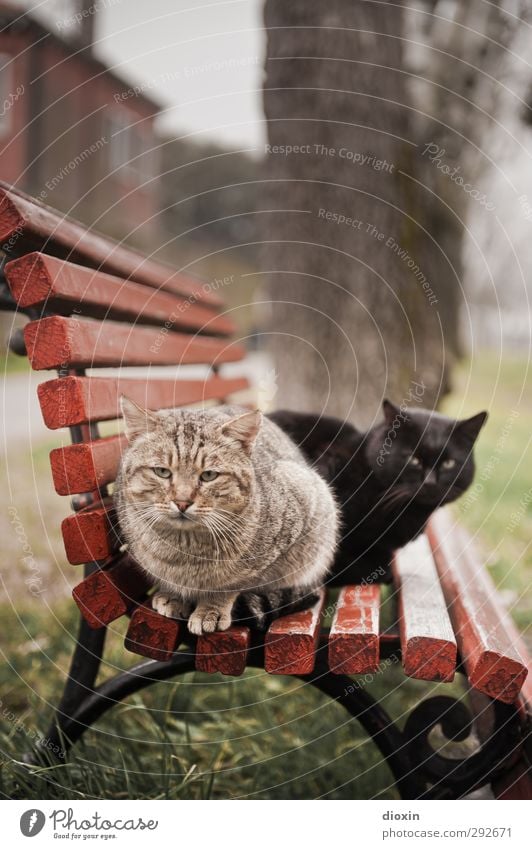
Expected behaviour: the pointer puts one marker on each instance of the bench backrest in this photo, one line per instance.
(96, 304)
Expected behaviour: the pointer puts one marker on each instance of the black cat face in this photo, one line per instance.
(423, 455)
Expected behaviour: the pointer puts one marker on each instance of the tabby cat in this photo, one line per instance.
(388, 480)
(219, 505)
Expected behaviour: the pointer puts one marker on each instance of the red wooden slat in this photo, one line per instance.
(354, 634)
(487, 639)
(79, 400)
(107, 594)
(223, 651)
(428, 646)
(152, 635)
(290, 642)
(86, 466)
(58, 342)
(91, 533)
(37, 279)
(27, 225)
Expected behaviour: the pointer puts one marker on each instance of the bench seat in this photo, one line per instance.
(433, 642)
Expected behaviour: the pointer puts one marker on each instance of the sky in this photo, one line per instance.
(202, 58)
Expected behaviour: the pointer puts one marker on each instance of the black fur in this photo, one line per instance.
(258, 610)
(386, 497)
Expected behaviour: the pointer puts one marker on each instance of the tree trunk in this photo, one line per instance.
(354, 315)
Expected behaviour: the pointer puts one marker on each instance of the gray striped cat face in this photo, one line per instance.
(184, 468)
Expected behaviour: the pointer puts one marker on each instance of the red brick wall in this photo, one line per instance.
(72, 142)
(12, 142)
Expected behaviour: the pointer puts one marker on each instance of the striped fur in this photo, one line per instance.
(252, 542)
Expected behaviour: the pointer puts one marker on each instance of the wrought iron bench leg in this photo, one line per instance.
(420, 770)
(98, 701)
(356, 700)
(377, 723)
(79, 685)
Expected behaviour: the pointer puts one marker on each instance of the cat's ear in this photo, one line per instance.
(137, 420)
(244, 428)
(470, 428)
(390, 411)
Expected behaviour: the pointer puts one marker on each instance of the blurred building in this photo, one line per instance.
(72, 132)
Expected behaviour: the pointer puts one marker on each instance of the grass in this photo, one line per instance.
(13, 364)
(498, 508)
(257, 736)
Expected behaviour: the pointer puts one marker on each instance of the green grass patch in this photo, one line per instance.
(13, 364)
(498, 507)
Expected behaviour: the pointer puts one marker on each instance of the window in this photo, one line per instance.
(117, 132)
(130, 141)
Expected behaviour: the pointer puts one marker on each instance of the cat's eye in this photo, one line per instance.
(162, 472)
(414, 461)
(208, 475)
(448, 464)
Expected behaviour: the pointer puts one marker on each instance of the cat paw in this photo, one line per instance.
(167, 605)
(206, 620)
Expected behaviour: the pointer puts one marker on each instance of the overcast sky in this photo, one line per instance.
(202, 58)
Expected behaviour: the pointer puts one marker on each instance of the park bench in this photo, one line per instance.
(93, 304)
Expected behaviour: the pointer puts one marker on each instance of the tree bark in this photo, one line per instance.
(347, 257)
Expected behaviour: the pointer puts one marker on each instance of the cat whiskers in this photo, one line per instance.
(227, 539)
(223, 545)
(236, 518)
(394, 497)
(232, 523)
(148, 517)
(237, 529)
(215, 538)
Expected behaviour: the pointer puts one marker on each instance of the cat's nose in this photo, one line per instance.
(182, 506)
(431, 478)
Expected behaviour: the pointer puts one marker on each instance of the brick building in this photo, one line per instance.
(73, 132)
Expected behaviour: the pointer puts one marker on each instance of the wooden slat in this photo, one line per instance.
(58, 342)
(152, 635)
(428, 646)
(290, 642)
(109, 593)
(354, 635)
(36, 280)
(80, 400)
(223, 651)
(27, 225)
(488, 640)
(91, 533)
(86, 466)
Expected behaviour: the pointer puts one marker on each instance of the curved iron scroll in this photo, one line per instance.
(458, 776)
(420, 770)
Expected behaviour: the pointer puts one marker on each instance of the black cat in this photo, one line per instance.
(388, 480)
